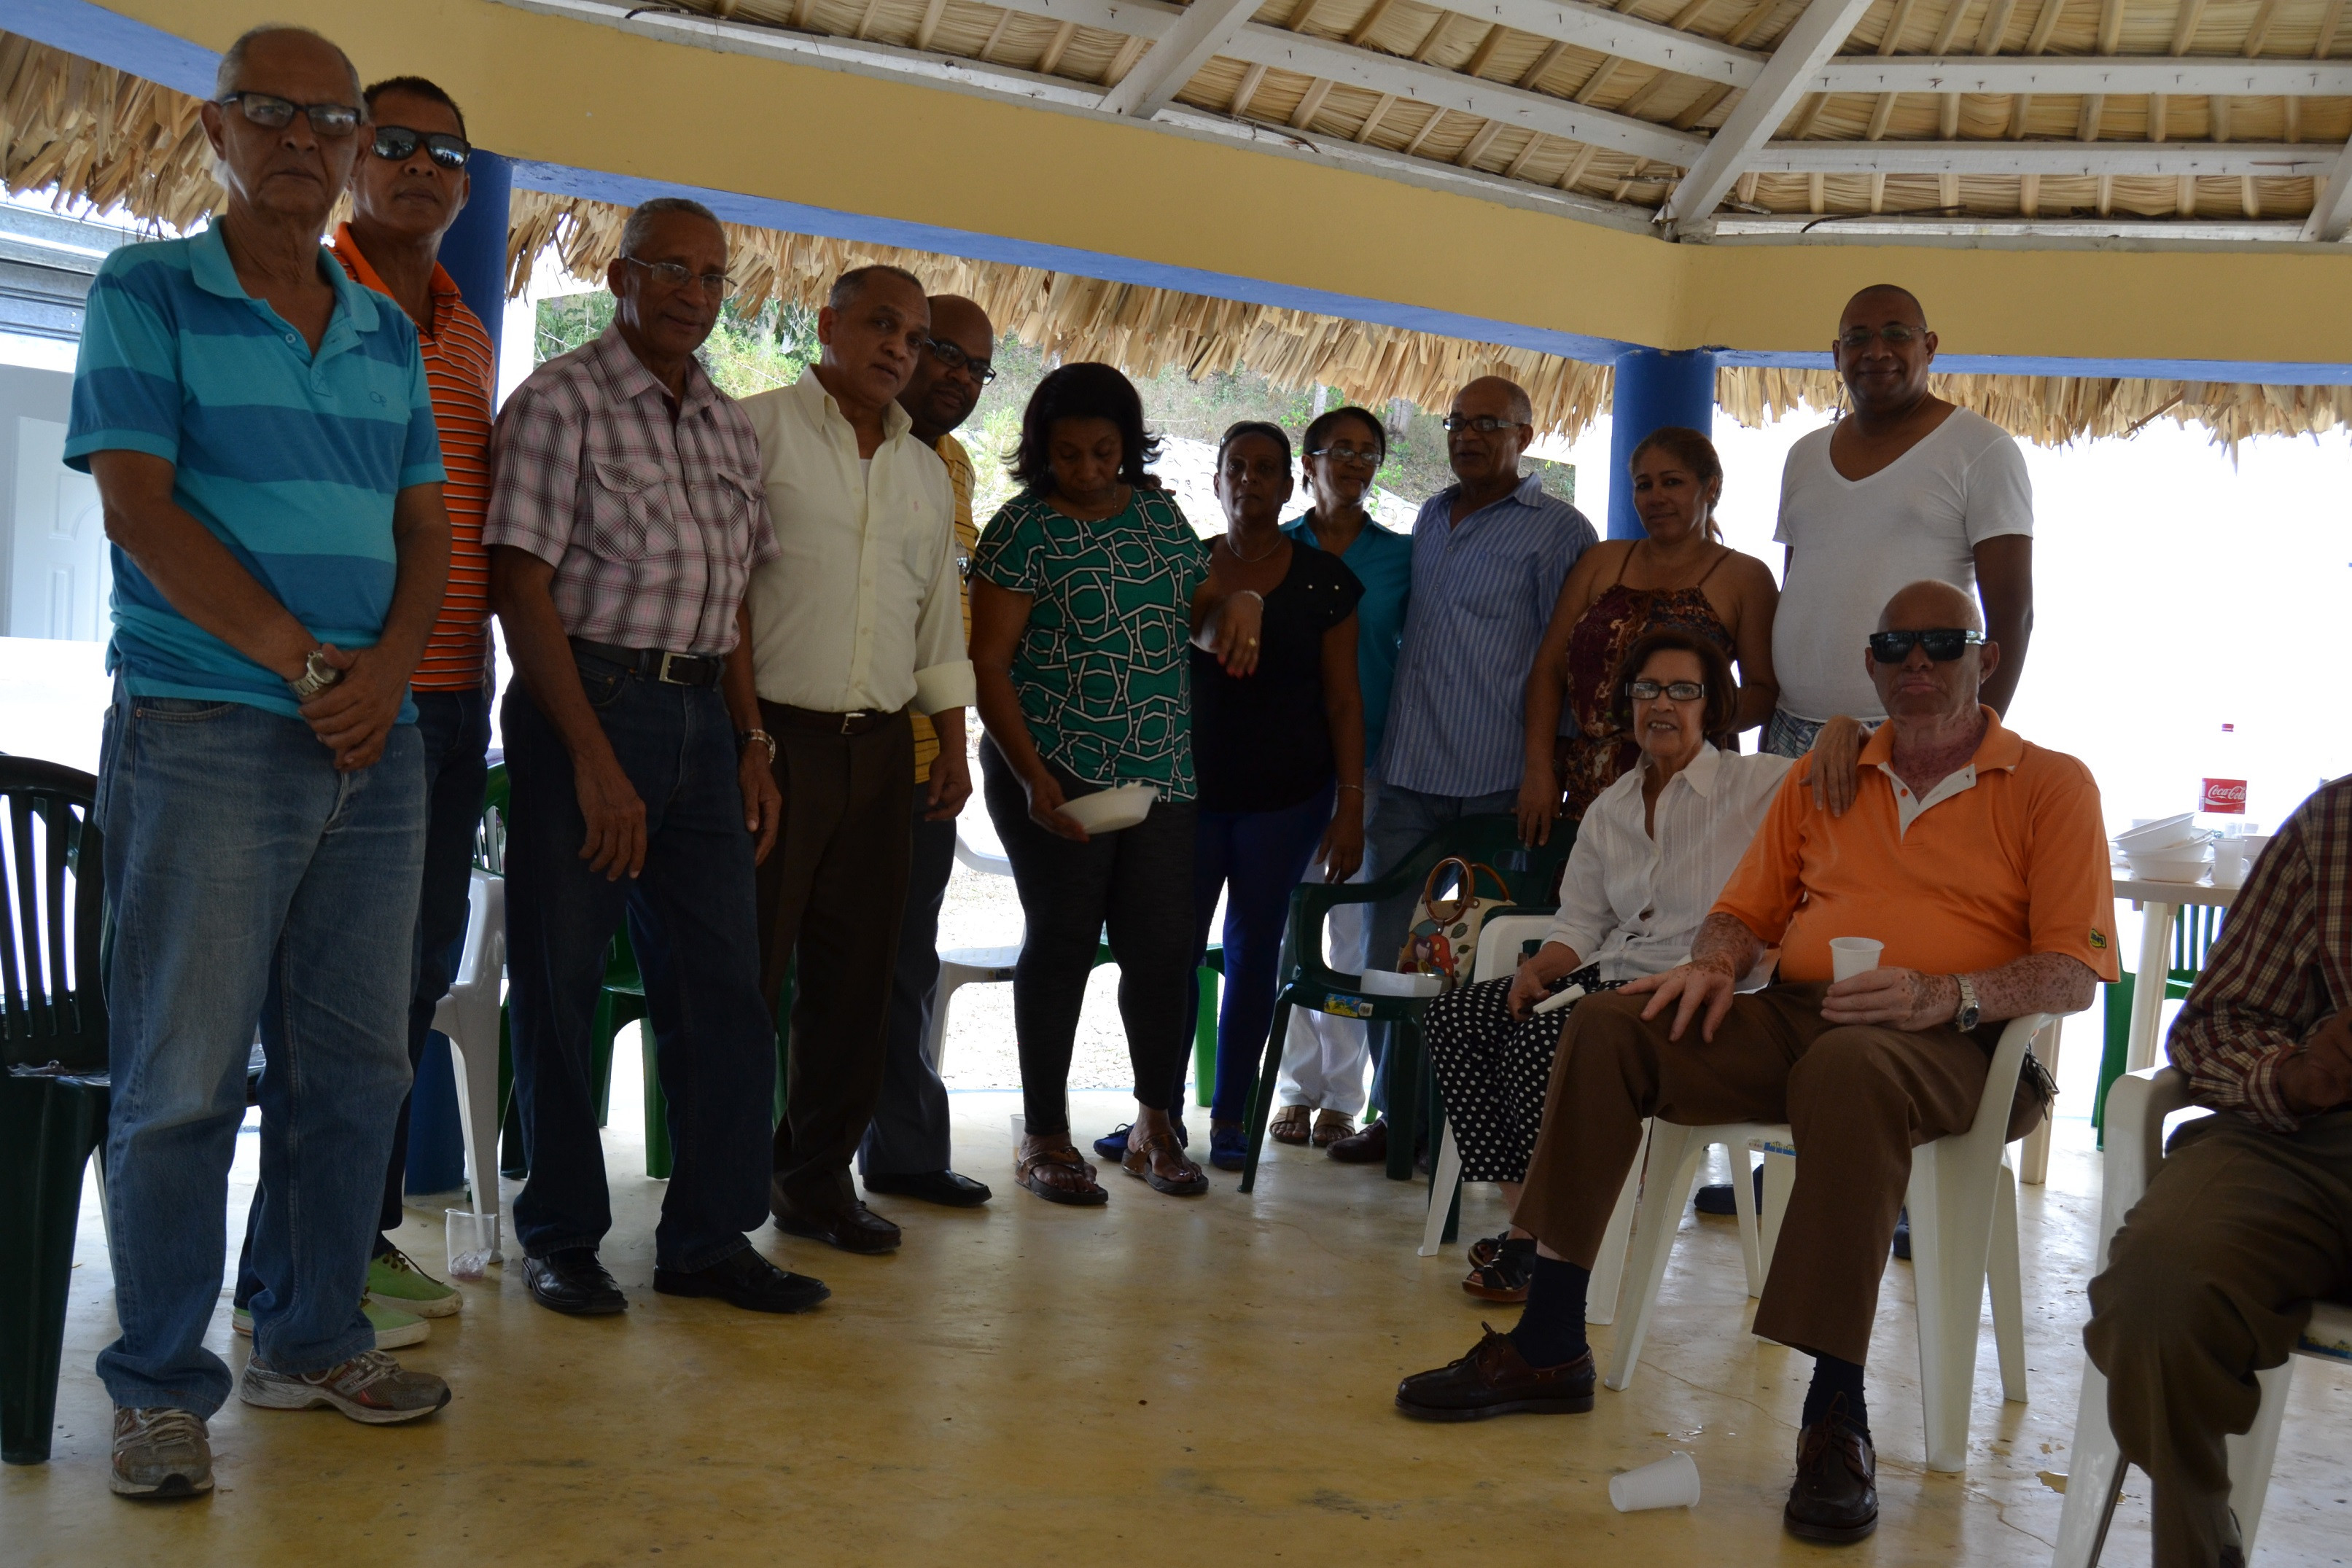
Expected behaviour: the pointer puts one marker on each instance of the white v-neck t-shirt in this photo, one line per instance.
(1858, 540)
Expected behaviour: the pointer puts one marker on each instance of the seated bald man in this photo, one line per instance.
(1980, 860)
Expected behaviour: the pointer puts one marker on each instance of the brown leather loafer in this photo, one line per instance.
(1368, 1147)
(846, 1224)
(1495, 1379)
(1835, 1496)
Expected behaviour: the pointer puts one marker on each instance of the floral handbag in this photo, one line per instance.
(1443, 937)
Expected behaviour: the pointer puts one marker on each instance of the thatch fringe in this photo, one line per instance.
(94, 134)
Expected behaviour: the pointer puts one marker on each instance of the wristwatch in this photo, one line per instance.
(744, 739)
(316, 677)
(1966, 1019)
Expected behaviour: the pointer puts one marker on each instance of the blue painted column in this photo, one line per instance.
(474, 252)
(1654, 387)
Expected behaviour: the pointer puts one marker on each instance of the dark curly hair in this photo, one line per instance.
(1722, 691)
(1234, 432)
(1693, 451)
(1084, 390)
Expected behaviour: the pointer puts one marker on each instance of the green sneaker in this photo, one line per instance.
(393, 1329)
(395, 1281)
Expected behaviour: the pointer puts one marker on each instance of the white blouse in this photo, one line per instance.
(1633, 904)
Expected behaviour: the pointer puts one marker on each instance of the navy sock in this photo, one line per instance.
(1836, 1394)
(1551, 1325)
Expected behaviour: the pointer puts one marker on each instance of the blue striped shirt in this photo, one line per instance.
(1483, 592)
(291, 459)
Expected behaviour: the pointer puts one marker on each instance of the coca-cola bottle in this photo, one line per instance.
(2221, 801)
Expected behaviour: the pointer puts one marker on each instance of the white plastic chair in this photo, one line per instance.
(1962, 1194)
(1499, 941)
(2137, 1104)
(468, 1015)
(961, 966)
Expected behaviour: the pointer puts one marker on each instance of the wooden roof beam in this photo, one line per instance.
(2186, 75)
(1198, 34)
(2178, 159)
(2331, 209)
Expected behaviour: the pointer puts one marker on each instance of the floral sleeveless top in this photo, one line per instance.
(1595, 750)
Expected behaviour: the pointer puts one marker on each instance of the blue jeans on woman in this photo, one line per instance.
(245, 871)
(1256, 858)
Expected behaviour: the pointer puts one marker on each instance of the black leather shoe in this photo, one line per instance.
(747, 1281)
(572, 1281)
(1835, 1496)
(1495, 1379)
(943, 1188)
(844, 1221)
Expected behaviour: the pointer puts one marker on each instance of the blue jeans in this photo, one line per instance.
(1786, 734)
(1256, 858)
(1400, 818)
(693, 925)
(245, 873)
(454, 729)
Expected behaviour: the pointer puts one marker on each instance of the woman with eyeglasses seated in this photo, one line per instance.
(1281, 757)
(1651, 857)
(1680, 575)
(1322, 1086)
(1087, 591)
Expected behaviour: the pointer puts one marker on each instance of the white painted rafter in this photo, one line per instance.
(1197, 36)
(1809, 42)
(2331, 208)
(2233, 76)
(2179, 159)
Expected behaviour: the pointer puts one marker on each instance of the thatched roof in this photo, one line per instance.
(90, 133)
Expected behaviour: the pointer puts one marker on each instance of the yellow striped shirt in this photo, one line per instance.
(959, 462)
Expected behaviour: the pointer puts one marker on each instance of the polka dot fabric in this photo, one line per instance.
(1493, 1071)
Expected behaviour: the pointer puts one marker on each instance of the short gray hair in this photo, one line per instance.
(232, 62)
(643, 216)
(852, 284)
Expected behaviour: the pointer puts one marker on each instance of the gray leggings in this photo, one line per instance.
(1133, 887)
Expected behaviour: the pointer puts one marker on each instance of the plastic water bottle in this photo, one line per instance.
(2222, 800)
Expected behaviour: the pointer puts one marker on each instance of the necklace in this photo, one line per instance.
(1253, 559)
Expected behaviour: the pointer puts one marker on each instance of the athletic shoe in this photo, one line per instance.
(393, 1330)
(1112, 1145)
(395, 1281)
(160, 1452)
(369, 1387)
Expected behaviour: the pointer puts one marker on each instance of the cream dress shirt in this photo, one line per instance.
(863, 610)
(1632, 903)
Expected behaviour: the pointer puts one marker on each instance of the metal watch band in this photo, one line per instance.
(1966, 1015)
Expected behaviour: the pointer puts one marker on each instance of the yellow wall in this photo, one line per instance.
(569, 92)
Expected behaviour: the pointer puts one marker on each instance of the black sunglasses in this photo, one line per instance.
(276, 113)
(1943, 646)
(955, 359)
(398, 142)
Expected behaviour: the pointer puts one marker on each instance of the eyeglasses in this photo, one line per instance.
(397, 143)
(276, 113)
(1484, 425)
(1343, 451)
(955, 359)
(1943, 646)
(1681, 691)
(670, 275)
(1895, 333)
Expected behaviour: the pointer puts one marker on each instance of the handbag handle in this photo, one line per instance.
(1468, 871)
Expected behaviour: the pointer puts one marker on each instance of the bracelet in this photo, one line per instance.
(762, 737)
(1358, 789)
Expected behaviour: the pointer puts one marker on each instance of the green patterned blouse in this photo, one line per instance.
(1102, 670)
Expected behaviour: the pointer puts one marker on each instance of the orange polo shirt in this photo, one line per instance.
(2007, 857)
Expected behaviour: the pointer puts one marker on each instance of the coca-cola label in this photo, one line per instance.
(2225, 796)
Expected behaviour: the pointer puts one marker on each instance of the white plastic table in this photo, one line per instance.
(2159, 903)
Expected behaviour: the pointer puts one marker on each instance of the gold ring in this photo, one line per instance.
(1251, 642)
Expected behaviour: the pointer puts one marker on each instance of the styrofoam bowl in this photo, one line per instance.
(1108, 811)
(1388, 983)
(2170, 865)
(2162, 832)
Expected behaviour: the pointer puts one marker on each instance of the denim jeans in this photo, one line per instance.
(1256, 858)
(1399, 820)
(692, 924)
(454, 729)
(245, 871)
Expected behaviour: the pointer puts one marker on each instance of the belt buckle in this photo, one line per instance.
(849, 718)
(663, 675)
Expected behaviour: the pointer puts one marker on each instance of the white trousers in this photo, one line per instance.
(1324, 1057)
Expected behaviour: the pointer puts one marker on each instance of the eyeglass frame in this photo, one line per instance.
(1338, 452)
(1910, 639)
(431, 141)
(953, 356)
(1667, 689)
(663, 270)
(1862, 336)
(309, 111)
(1484, 423)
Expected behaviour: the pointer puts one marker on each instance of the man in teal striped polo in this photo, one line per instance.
(262, 436)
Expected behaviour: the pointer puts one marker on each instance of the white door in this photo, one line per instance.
(59, 574)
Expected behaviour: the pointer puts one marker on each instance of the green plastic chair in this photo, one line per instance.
(1532, 875)
(54, 1093)
(2195, 928)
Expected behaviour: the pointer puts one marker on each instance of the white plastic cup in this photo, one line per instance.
(1672, 1482)
(473, 1243)
(1851, 955)
(2230, 862)
(1020, 1130)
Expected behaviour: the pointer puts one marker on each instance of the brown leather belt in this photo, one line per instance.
(655, 665)
(857, 723)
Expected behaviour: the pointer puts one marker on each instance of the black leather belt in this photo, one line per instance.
(857, 723)
(655, 663)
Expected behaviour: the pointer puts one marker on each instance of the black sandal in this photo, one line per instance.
(1503, 1277)
(1025, 1171)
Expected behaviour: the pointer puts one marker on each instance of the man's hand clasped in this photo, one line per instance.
(2318, 1077)
(353, 717)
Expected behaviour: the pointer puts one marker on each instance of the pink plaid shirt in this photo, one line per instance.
(653, 526)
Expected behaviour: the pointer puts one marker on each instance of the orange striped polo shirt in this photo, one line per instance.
(461, 370)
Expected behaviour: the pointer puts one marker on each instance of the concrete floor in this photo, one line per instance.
(1161, 1379)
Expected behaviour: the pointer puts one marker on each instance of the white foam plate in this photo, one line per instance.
(1108, 811)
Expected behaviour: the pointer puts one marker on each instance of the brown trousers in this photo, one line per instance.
(831, 893)
(1859, 1100)
(2209, 1280)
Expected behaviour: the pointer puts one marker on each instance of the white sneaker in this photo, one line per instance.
(369, 1387)
(160, 1452)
